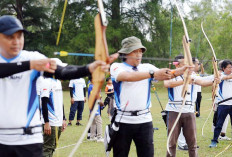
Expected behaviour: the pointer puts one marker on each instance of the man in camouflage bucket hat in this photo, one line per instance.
(131, 81)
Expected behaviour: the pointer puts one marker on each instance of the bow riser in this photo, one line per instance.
(215, 85)
(98, 76)
(188, 61)
(101, 53)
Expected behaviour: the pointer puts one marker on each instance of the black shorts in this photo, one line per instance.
(30, 150)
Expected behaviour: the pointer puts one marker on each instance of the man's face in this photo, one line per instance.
(181, 63)
(197, 65)
(11, 45)
(228, 69)
(135, 57)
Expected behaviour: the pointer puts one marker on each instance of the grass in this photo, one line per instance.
(94, 149)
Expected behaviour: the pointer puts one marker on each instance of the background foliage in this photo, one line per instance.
(147, 19)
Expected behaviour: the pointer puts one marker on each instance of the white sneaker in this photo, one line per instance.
(93, 139)
(100, 139)
(224, 138)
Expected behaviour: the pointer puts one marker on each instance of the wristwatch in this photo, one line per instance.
(151, 72)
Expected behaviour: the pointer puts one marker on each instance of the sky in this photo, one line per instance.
(186, 9)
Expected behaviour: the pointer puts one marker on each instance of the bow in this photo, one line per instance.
(98, 76)
(216, 75)
(187, 77)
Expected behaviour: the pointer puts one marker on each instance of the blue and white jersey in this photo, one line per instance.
(19, 103)
(52, 89)
(136, 94)
(78, 92)
(175, 99)
(224, 91)
(38, 85)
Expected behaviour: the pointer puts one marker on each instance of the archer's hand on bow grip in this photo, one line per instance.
(188, 61)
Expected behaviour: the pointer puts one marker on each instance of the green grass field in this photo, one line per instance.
(94, 149)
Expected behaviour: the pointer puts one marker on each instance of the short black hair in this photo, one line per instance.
(108, 78)
(194, 59)
(225, 63)
(180, 56)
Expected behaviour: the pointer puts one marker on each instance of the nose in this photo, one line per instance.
(15, 41)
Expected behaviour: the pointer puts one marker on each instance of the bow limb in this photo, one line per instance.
(227, 147)
(187, 77)
(216, 75)
(98, 76)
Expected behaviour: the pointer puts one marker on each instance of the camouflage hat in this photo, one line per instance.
(130, 44)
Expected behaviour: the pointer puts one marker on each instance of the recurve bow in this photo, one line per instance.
(216, 75)
(98, 76)
(187, 77)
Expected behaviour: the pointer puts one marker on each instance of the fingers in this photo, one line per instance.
(50, 66)
(47, 65)
(104, 67)
(47, 131)
(64, 125)
(113, 57)
(163, 74)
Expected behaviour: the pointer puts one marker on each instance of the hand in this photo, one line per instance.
(85, 100)
(163, 74)
(47, 65)
(104, 67)
(113, 57)
(64, 125)
(72, 101)
(47, 129)
(217, 80)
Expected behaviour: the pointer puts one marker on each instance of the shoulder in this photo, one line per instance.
(82, 80)
(149, 66)
(115, 65)
(32, 55)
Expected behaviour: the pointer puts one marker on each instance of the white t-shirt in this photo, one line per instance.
(38, 85)
(197, 86)
(19, 105)
(175, 98)
(78, 85)
(224, 91)
(136, 94)
(52, 89)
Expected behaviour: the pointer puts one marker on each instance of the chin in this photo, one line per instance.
(14, 54)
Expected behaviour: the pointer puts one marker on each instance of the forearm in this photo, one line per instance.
(227, 77)
(109, 92)
(69, 72)
(84, 90)
(203, 83)
(178, 72)
(45, 109)
(71, 92)
(172, 84)
(8, 69)
(133, 76)
(63, 113)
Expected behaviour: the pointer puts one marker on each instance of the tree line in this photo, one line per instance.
(148, 20)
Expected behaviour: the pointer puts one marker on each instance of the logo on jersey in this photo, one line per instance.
(115, 68)
(15, 77)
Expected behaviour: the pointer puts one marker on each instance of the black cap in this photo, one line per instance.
(9, 25)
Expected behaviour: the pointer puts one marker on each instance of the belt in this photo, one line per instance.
(133, 113)
(180, 103)
(21, 131)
